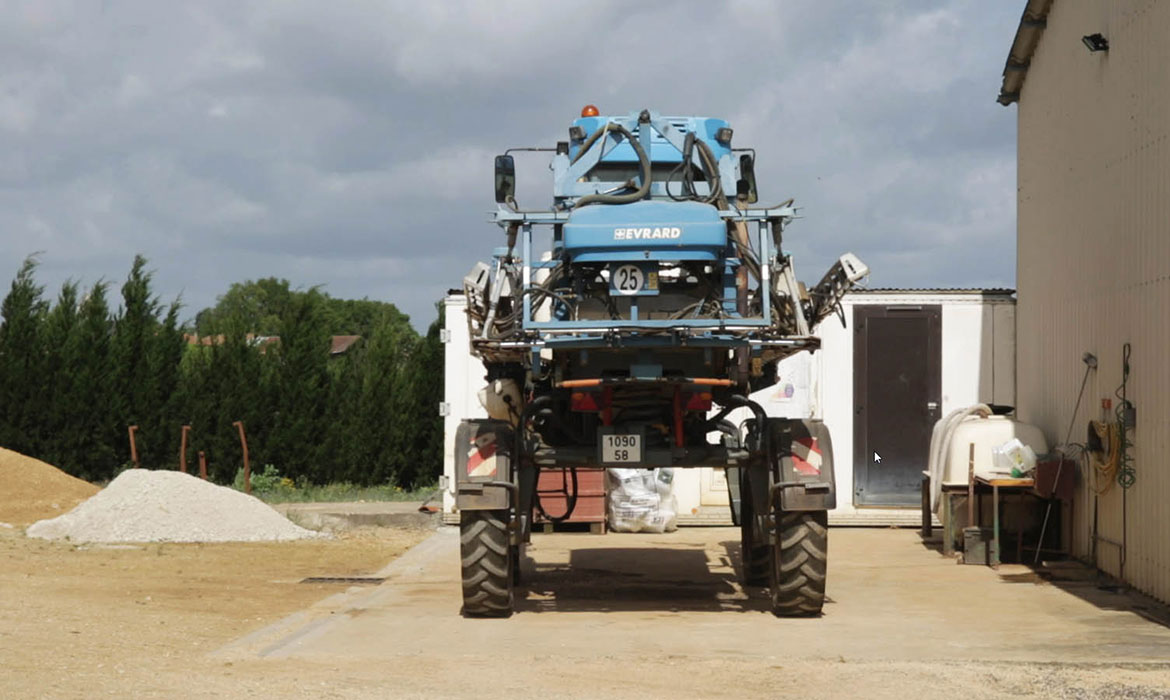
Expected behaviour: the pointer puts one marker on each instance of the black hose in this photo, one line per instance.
(736, 401)
(712, 423)
(529, 410)
(643, 161)
(588, 143)
(688, 175)
(535, 406)
(559, 424)
(711, 171)
(570, 499)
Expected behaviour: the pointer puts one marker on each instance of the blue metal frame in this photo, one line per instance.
(665, 148)
(528, 323)
(663, 139)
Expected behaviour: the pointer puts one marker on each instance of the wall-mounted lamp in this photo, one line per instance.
(1095, 42)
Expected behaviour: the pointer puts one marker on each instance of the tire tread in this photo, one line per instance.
(800, 563)
(487, 564)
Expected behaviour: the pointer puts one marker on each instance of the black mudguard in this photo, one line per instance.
(805, 453)
(802, 465)
(483, 465)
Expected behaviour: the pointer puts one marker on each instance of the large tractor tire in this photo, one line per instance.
(799, 563)
(757, 556)
(487, 562)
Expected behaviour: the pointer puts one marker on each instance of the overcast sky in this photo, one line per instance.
(349, 144)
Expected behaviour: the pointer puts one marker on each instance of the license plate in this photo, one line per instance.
(621, 449)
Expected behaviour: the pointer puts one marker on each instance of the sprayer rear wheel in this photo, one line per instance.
(800, 562)
(487, 562)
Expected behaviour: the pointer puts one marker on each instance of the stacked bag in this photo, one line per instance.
(642, 500)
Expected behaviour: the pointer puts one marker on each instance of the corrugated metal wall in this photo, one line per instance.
(1094, 257)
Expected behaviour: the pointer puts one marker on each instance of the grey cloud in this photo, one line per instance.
(350, 145)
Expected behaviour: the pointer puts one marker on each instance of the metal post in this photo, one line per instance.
(765, 271)
(202, 465)
(183, 448)
(133, 446)
(971, 486)
(247, 467)
(995, 521)
(678, 418)
(526, 276)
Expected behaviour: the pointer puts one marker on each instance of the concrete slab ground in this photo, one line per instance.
(894, 602)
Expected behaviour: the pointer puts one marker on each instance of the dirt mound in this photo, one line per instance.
(166, 506)
(31, 490)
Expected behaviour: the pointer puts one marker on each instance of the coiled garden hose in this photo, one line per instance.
(1103, 453)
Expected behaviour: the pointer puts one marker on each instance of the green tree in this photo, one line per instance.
(262, 304)
(347, 451)
(56, 376)
(21, 367)
(423, 387)
(225, 383)
(88, 445)
(132, 395)
(300, 390)
(161, 407)
(382, 423)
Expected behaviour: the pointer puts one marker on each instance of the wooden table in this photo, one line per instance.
(1007, 484)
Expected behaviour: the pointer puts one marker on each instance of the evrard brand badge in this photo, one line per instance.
(637, 234)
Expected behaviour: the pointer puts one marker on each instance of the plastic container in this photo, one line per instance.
(987, 434)
(1013, 457)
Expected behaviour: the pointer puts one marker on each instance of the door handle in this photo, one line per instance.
(932, 405)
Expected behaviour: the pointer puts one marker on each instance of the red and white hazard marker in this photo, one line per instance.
(481, 458)
(806, 456)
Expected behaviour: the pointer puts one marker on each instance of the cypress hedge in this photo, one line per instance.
(74, 374)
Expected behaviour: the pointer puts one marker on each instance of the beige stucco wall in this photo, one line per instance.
(1094, 257)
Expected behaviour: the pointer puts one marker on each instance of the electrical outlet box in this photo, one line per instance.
(1128, 415)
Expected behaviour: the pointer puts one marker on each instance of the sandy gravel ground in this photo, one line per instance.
(139, 621)
(614, 616)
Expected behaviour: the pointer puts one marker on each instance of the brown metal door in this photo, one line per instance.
(897, 389)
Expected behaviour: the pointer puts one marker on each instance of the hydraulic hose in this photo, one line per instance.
(588, 143)
(541, 405)
(643, 160)
(570, 499)
(685, 167)
(529, 411)
(711, 170)
(737, 401)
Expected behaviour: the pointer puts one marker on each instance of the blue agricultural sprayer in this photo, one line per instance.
(655, 299)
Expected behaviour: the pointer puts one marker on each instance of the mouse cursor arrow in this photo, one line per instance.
(877, 459)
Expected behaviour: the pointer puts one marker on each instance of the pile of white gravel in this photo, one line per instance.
(167, 506)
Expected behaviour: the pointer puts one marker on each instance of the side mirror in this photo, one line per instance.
(745, 187)
(505, 178)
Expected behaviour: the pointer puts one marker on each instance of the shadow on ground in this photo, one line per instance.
(1075, 578)
(668, 579)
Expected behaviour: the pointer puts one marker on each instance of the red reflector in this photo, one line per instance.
(584, 401)
(699, 401)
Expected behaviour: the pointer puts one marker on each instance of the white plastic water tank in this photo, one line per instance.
(986, 434)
